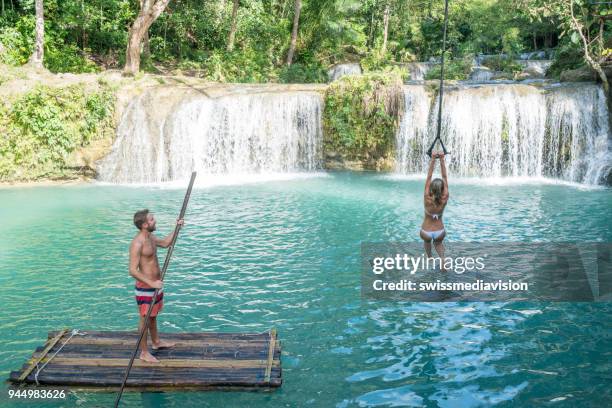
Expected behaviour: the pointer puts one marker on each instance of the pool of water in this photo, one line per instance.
(286, 254)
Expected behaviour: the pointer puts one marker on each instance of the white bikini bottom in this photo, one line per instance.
(433, 235)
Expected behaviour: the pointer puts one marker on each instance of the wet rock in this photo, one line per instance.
(578, 75)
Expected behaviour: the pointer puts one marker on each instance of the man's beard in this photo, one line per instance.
(151, 228)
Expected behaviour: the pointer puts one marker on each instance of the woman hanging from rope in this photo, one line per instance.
(436, 191)
(435, 199)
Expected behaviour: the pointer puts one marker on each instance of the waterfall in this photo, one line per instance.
(510, 130)
(481, 74)
(244, 132)
(340, 70)
(418, 70)
(536, 68)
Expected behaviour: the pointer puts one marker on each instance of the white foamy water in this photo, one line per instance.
(510, 130)
(496, 131)
(418, 70)
(340, 70)
(481, 74)
(536, 67)
(240, 134)
(217, 180)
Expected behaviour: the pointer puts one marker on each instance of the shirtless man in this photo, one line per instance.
(144, 267)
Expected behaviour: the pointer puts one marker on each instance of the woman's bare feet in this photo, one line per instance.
(162, 344)
(148, 357)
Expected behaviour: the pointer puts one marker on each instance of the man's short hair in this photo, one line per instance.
(140, 218)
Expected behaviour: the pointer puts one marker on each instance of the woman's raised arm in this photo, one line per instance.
(432, 164)
(443, 169)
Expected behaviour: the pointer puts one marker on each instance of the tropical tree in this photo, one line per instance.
(294, 31)
(385, 27)
(149, 12)
(232, 33)
(585, 24)
(590, 33)
(36, 59)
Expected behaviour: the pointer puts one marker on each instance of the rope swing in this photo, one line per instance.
(441, 86)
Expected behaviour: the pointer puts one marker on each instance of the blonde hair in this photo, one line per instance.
(436, 188)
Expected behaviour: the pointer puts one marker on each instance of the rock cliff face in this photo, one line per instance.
(337, 161)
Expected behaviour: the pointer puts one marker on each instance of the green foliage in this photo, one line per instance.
(246, 66)
(67, 58)
(301, 73)
(44, 126)
(16, 39)
(193, 34)
(456, 69)
(361, 115)
(374, 61)
(17, 43)
(502, 63)
(511, 41)
(567, 57)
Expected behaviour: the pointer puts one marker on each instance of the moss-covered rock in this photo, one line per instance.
(583, 74)
(360, 120)
(43, 129)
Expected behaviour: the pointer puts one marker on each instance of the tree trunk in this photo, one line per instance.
(385, 29)
(232, 33)
(36, 59)
(294, 31)
(370, 41)
(590, 59)
(548, 40)
(149, 12)
(146, 47)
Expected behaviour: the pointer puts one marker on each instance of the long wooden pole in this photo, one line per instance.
(163, 273)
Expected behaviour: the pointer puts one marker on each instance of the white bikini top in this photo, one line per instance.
(434, 216)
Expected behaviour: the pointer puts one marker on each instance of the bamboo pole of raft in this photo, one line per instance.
(270, 355)
(163, 273)
(43, 354)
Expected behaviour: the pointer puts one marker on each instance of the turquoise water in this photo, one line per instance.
(286, 254)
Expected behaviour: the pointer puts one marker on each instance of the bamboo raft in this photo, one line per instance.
(96, 360)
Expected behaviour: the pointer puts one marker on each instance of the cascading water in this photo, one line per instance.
(481, 74)
(492, 130)
(536, 68)
(245, 132)
(510, 130)
(340, 70)
(418, 70)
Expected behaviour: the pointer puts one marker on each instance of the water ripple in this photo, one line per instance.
(286, 254)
